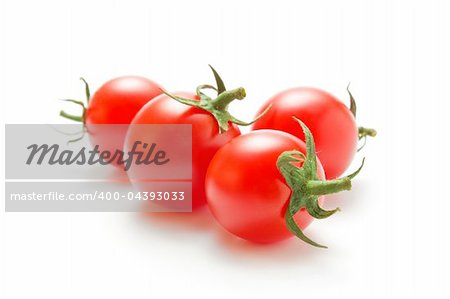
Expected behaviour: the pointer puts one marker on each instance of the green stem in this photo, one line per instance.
(218, 107)
(70, 116)
(225, 98)
(363, 132)
(318, 187)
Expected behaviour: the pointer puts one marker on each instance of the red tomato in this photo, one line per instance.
(206, 138)
(332, 124)
(247, 193)
(115, 102)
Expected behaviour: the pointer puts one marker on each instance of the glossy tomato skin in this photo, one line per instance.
(331, 123)
(116, 102)
(206, 139)
(246, 192)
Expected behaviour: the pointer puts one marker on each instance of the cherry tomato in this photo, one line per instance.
(206, 136)
(116, 102)
(332, 124)
(247, 193)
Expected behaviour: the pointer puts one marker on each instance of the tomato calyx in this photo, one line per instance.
(218, 106)
(306, 186)
(78, 118)
(363, 132)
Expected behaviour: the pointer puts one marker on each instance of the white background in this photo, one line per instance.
(391, 239)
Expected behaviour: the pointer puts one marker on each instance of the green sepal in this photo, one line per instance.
(362, 132)
(293, 227)
(352, 101)
(76, 118)
(75, 102)
(219, 82)
(87, 91)
(200, 92)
